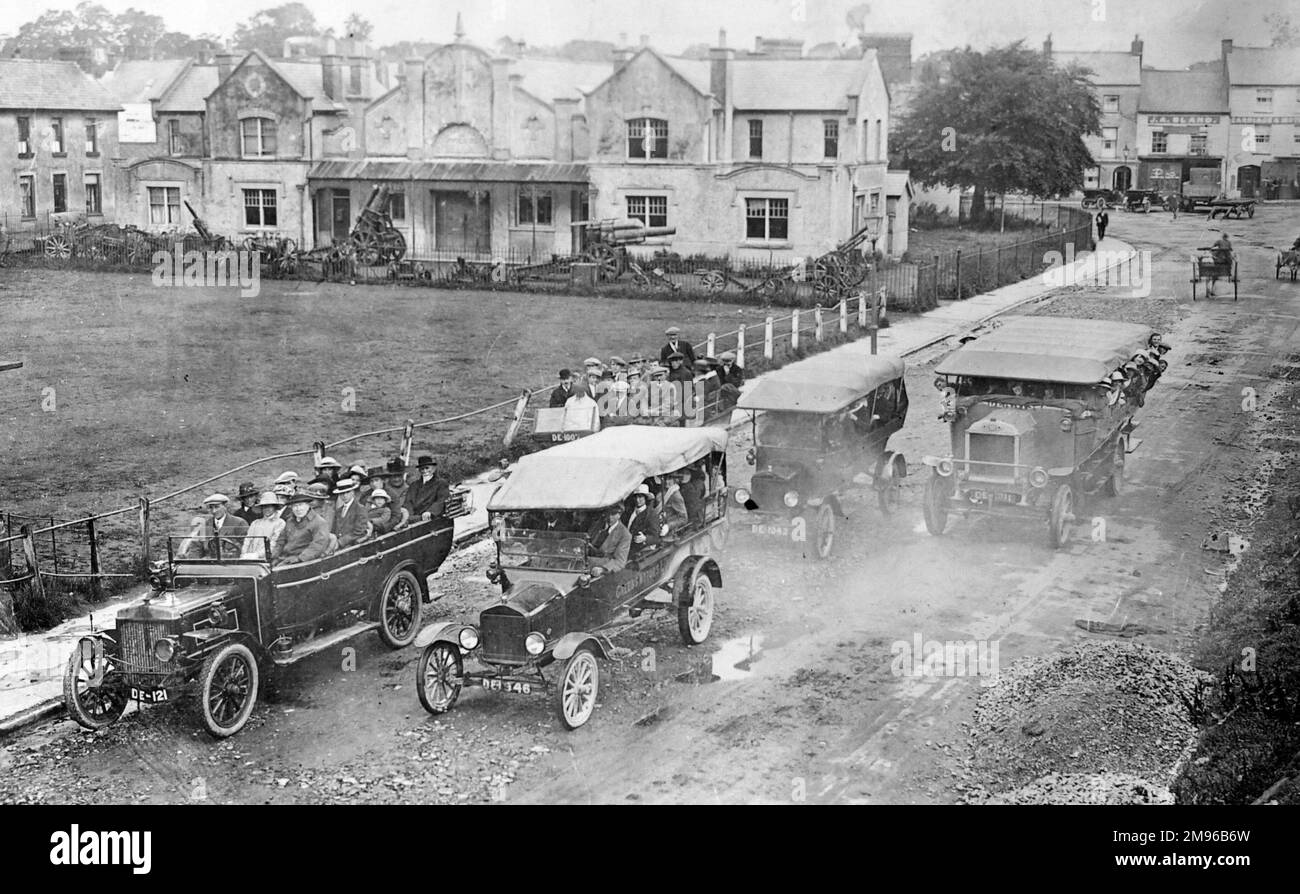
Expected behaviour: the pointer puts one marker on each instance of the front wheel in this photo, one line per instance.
(92, 704)
(889, 484)
(1062, 517)
(400, 608)
(438, 678)
(824, 532)
(938, 490)
(695, 611)
(228, 689)
(577, 688)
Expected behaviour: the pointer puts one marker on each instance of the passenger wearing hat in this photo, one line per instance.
(223, 533)
(672, 505)
(265, 530)
(327, 471)
(677, 368)
(286, 478)
(380, 512)
(642, 521)
(362, 477)
(320, 493)
(732, 375)
(427, 498)
(396, 485)
(350, 524)
(305, 536)
(565, 390)
(676, 346)
(618, 366)
(593, 364)
(610, 542)
(247, 496)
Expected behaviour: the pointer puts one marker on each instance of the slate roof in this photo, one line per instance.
(141, 80)
(797, 84)
(190, 92)
(1111, 69)
(1263, 66)
(549, 79)
(47, 84)
(1182, 91)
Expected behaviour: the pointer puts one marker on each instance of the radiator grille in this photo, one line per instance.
(503, 638)
(992, 449)
(136, 642)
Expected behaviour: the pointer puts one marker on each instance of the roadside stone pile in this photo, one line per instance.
(1098, 722)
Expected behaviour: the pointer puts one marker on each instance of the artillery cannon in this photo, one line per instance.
(210, 241)
(377, 241)
(605, 243)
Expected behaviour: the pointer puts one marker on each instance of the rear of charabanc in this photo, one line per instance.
(817, 425)
(1041, 415)
(556, 608)
(219, 625)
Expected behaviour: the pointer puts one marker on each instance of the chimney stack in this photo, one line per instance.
(722, 38)
(332, 75)
(1136, 47)
(225, 65)
(1047, 46)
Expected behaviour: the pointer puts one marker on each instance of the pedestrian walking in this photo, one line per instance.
(1103, 221)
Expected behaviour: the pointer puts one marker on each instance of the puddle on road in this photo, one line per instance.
(735, 659)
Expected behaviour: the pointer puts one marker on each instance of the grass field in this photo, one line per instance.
(155, 388)
(922, 245)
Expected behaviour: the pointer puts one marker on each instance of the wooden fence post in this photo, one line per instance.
(711, 345)
(33, 568)
(844, 314)
(794, 329)
(862, 310)
(936, 280)
(959, 274)
(145, 549)
(95, 592)
(767, 338)
(740, 347)
(817, 322)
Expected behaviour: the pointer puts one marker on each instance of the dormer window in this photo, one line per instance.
(647, 138)
(257, 137)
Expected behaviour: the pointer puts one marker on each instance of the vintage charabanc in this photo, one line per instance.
(559, 604)
(223, 622)
(817, 426)
(1041, 414)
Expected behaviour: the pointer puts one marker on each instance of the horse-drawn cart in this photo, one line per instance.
(1211, 265)
(1234, 208)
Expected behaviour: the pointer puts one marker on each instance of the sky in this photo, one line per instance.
(1176, 32)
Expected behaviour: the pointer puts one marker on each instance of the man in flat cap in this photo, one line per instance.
(732, 375)
(222, 531)
(676, 345)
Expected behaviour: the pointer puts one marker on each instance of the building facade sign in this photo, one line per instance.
(1265, 119)
(1183, 119)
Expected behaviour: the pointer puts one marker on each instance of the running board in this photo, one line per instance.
(326, 641)
(1133, 444)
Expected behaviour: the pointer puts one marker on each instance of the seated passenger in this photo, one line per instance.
(610, 542)
(692, 481)
(192, 546)
(380, 513)
(268, 526)
(223, 533)
(642, 522)
(350, 523)
(305, 536)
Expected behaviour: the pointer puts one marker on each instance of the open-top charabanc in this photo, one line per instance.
(562, 592)
(1041, 413)
(817, 426)
(223, 622)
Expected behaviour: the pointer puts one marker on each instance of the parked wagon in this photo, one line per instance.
(1101, 199)
(1234, 208)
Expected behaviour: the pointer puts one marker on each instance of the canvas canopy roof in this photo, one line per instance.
(1049, 349)
(603, 469)
(821, 384)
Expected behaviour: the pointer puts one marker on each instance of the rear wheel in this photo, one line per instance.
(938, 490)
(228, 689)
(1062, 517)
(889, 484)
(400, 608)
(577, 688)
(695, 610)
(92, 704)
(824, 532)
(1115, 483)
(438, 678)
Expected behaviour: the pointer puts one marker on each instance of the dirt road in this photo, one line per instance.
(796, 699)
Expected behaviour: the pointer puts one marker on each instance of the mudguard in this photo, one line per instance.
(447, 631)
(570, 642)
(895, 465)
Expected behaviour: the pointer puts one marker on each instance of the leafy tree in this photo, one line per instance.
(267, 30)
(1285, 33)
(1001, 121)
(358, 28)
(44, 36)
(140, 29)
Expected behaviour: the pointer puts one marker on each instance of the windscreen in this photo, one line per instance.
(797, 430)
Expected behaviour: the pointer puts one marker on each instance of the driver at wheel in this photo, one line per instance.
(610, 542)
(1222, 253)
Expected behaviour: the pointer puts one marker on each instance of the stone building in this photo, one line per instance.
(1264, 104)
(1117, 80)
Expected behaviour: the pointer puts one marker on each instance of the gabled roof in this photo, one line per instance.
(141, 80)
(1182, 91)
(1109, 69)
(797, 84)
(190, 91)
(551, 79)
(1263, 66)
(46, 84)
(694, 72)
(308, 79)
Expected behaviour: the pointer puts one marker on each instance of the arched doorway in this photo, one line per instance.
(1248, 181)
(1122, 179)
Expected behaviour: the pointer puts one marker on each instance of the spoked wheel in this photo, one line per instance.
(713, 281)
(1062, 518)
(400, 607)
(91, 698)
(608, 263)
(695, 611)
(228, 689)
(889, 484)
(640, 280)
(938, 490)
(368, 249)
(438, 678)
(824, 532)
(1114, 486)
(576, 690)
(58, 246)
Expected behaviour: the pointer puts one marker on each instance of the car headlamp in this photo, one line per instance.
(791, 498)
(1038, 478)
(1067, 423)
(945, 467)
(468, 638)
(164, 649)
(742, 496)
(534, 643)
